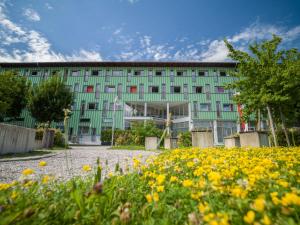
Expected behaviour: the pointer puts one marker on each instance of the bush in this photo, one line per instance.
(59, 139)
(185, 139)
(294, 136)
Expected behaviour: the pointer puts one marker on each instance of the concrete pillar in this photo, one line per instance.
(215, 131)
(202, 139)
(145, 109)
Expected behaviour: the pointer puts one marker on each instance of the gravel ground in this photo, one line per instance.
(57, 165)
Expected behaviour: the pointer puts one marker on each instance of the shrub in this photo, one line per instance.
(141, 130)
(59, 139)
(294, 136)
(185, 139)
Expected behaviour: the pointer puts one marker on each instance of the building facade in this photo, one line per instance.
(193, 92)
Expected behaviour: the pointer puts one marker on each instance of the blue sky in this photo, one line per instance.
(140, 30)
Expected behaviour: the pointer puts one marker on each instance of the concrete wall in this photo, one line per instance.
(254, 139)
(231, 142)
(15, 139)
(202, 139)
(151, 143)
(170, 143)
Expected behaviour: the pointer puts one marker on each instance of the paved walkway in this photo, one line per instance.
(78, 156)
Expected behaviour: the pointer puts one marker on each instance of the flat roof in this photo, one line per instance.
(116, 64)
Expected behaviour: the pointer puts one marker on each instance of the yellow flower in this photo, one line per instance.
(136, 163)
(187, 183)
(290, 198)
(259, 204)
(27, 172)
(249, 217)
(190, 164)
(203, 207)
(160, 188)
(149, 198)
(266, 220)
(45, 179)
(42, 163)
(4, 186)
(86, 168)
(156, 197)
(14, 195)
(173, 179)
(160, 179)
(214, 177)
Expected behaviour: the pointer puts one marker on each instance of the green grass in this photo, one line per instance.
(128, 147)
(26, 154)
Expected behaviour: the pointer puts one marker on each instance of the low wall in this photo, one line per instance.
(254, 139)
(202, 139)
(151, 143)
(15, 139)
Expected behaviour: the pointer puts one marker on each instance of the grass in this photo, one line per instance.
(26, 154)
(194, 186)
(128, 147)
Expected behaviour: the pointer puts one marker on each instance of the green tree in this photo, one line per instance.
(14, 91)
(265, 79)
(48, 100)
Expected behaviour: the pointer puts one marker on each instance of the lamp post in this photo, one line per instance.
(113, 121)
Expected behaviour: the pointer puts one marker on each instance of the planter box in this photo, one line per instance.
(170, 143)
(151, 143)
(254, 139)
(232, 142)
(202, 139)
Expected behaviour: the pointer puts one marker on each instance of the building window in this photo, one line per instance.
(181, 73)
(97, 93)
(223, 74)
(175, 89)
(138, 73)
(193, 76)
(150, 76)
(141, 91)
(153, 89)
(86, 75)
(75, 73)
(220, 89)
(76, 87)
(172, 76)
(119, 91)
(195, 106)
(228, 107)
(92, 106)
(205, 107)
(105, 108)
(88, 88)
(34, 73)
(107, 75)
(197, 89)
(163, 91)
(218, 105)
(82, 108)
(129, 74)
(117, 73)
(185, 91)
(131, 89)
(95, 72)
(110, 89)
(202, 73)
(159, 73)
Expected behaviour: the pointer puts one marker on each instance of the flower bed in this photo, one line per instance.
(186, 186)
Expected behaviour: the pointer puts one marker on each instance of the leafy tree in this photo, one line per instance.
(47, 101)
(266, 79)
(14, 91)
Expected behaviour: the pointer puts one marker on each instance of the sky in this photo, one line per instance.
(141, 30)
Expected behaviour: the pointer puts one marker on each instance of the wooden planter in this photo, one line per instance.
(202, 139)
(232, 142)
(254, 139)
(151, 143)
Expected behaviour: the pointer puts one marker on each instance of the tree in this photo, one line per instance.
(48, 100)
(265, 79)
(14, 91)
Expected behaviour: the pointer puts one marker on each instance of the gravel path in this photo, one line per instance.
(57, 165)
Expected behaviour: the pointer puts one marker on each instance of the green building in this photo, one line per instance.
(193, 92)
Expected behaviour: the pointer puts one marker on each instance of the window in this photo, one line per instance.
(228, 107)
(76, 87)
(163, 91)
(195, 106)
(153, 89)
(223, 74)
(82, 108)
(88, 88)
(207, 91)
(197, 89)
(181, 73)
(117, 73)
(92, 106)
(97, 93)
(105, 108)
(205, 107)
(131, 89)
(202, 73)
(107, 75)
(175, 89)
(141, 91)
(159, 73)
(119, 91)
(220, 89)
(193, 76)
(34, 73)
(218, 105)
(86, 75)
(110, 89)
(75, 73)
(95, 72)
(185, 91)
(129, 74)
(138, 73)
(172, 76)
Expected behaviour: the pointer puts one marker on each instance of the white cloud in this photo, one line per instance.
(35, 47)
(31, 14)
(133, 1)
(48, 6)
